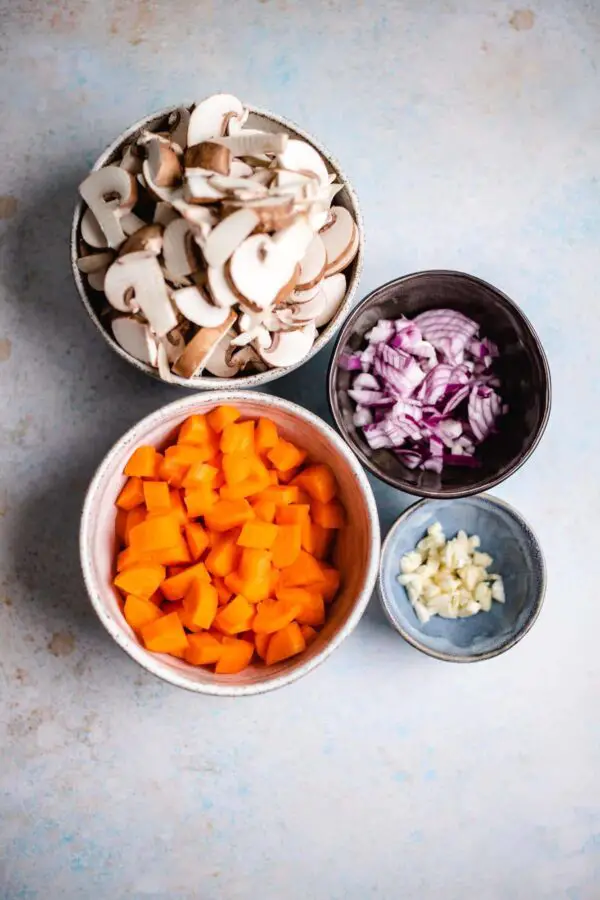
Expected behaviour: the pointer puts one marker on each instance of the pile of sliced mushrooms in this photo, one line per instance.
(216, 246)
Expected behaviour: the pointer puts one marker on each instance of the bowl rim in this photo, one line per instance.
(432, 493)
(177, 410)
(448, 657)
(212, 382)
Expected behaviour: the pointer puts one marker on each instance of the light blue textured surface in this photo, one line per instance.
(516, 558)
(471, 133)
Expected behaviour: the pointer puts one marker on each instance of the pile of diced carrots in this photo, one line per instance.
(226, 540)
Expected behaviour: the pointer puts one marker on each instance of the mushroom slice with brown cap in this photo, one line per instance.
(294, 241)
(298, 156)
(106, 192)
(273, 213)
(179, 253)
(96, 279)
(255, 143)
(226, 361)
(131, 160)
(130, 223)
(312, 264)
(289, 347)
(135, 338)
(226, 237)
(334, 291)
(259, 269)
(195, 306)
(164, 164)
(94, 262)
(220, 288)
(340, 236)
(198, 350)
(177, 124)
(164, 213)
(91, 232)
(135, 281)
(240, 169)
(308, 312)
(199, 188)
(208, 155)
(150, 237)
(211, 116)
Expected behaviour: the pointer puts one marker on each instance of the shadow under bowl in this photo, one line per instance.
(522, 368)
(517, 557)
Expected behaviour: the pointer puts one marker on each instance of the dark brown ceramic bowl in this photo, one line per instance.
(522, 368)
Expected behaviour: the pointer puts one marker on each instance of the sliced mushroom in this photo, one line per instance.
(130, 223)
(199, 188)
(341, 239)
(150, 237)
(227, 236)
(135, 338)
(312, 265)
(245, 188)
(273, 213)
(334, 290)
(174, 343)
(131, 160)
(94, 262)
(195, 306)
(289, 347)
(240, 169)
(259, 269)
(235, 123)
(212, 116)
(164, 213)
(198, 350)
(100, 190)
(311, 310)
(294, 241)
(179, 253)
(135, 281)
(248, 143)
(91, 232)
(263, 176)
(164, 165)
(259, 335)
(287, 290)
(178, 124)
(208, 155)
(162, 363)
(298, 156)
(220, 288)
(96, 279)
(196, 215)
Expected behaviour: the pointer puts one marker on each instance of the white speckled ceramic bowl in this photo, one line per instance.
(95, 302)
(358, 549)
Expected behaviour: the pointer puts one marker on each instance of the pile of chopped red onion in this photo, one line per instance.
(426, 389)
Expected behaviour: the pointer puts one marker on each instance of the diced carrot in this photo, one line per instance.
(237, 467)
(312, 610)
(319, 481)
(156, 533)
(201, 474)
(198, 501)
(266, 435)
(156, 496)
(223, 592)
(178, 507)
(139, 612)
(273, 581)
(172, 556)
(285, 455)
(235, 583)
(177, 587)
(142, 579)
(132, 493)
(120, 524)
(223, 556)
(331, 583)
(309, 634)
(287, 642)
(172, 472)
(288, 476)
(200, 603)
(328, 515)
(280, 495)
(272, 615)
(238, 437)
(222, 416)
(228, 514)
(176, 607)
(294, 514)
(251, 487)
(257, 534)
(190, 454)
(172, 571)
(158, 461)
(197, 539)
(315, 539)
(166, 635)
(303, 572)
(129, 557)
(235, 656)
(187, 621)
(287, 545)
(203, 650)
(273, 476)
(156, 598)
(264, 510)
(235, 616)
(135, 516)
(141, 463)
(261, 642)
(195, 430)
(254, 564)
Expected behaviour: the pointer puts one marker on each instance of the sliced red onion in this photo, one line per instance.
(399, 382)
(367, 381)
(435, 384)
(367, 357)
(410, 408)
(362, 416)
(456, 399)
(370, 398)
(383, 331)
(410, 458)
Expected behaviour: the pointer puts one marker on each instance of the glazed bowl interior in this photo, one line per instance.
(522, 369)
(95, 302)
(357, 550)
(517, 558)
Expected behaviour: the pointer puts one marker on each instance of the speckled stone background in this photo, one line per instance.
(472, 134)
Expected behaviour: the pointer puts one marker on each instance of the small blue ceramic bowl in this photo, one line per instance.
(517, 558)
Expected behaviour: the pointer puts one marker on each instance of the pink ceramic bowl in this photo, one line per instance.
(358, 548)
